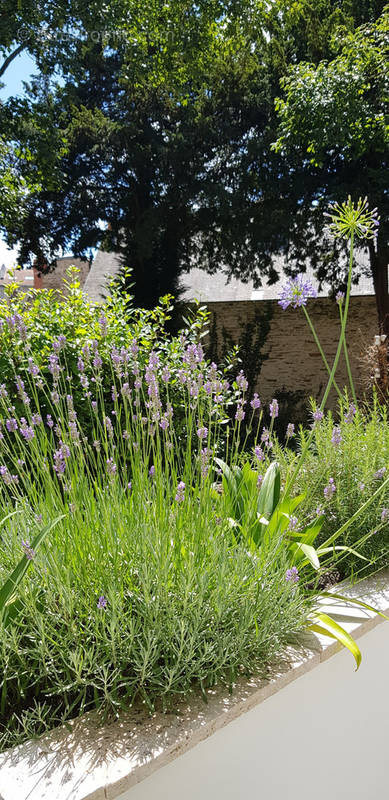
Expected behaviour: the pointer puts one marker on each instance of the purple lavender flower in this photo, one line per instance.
(165, 374)
(259, 481)
(32, 368)
(97, 361)
(180, 492)
(102, 602)
(202, 433)
(384, 514)
(336, 437)
(361, 486)
(164, 423)
(259, 454)
(28, 551)
(240, 414)
(204, 456)
(27, 432)
(273, 408)
(255, 402)
(152, 471)
(11, 425)
(80, 365)
(108, 426)
(293, 522)
(193, 355)
(350, 414)
(292, 575)
(318, 415)
(103, 322)
(330, 489)
(339, 298)
(36, 419)
(319, 511)
(242, 381)
(290, 430)
(3, 391)
(54, 366)
(59, 344)
(296, 292)
(380, 473)
(55, 397)
(111, 467)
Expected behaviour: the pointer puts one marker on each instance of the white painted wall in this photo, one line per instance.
(323, 737)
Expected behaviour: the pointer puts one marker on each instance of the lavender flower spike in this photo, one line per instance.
(296, 292)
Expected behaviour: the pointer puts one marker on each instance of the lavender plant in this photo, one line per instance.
(138, 593)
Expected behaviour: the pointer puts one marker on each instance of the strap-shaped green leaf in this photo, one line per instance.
(7, 591)
(337, 632)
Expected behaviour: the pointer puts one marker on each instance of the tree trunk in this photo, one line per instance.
(379, 266)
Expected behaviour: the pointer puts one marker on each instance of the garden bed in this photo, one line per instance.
(87, 761)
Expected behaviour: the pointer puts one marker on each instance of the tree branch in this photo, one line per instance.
(11, 57)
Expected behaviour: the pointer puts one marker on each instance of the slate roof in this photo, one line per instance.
(197, 284)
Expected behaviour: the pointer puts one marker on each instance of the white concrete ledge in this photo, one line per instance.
(87, 761)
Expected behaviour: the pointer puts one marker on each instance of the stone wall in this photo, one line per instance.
(291, 361)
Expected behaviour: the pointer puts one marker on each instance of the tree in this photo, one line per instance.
(333, 123)
(159, 142)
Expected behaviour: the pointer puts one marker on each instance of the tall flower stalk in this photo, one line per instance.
(348, 220)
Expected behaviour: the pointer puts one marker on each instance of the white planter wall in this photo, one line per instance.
(326, 735)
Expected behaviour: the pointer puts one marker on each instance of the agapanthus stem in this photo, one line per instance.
(348, 367)
(320, 349)
(290, 483)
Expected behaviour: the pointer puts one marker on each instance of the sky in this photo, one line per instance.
(20, 69)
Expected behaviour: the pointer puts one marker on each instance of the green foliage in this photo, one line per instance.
(354, 464)
(44, 316)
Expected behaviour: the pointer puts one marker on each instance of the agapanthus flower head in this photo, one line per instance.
(292, 575)
(349, 218)
(296, 292)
